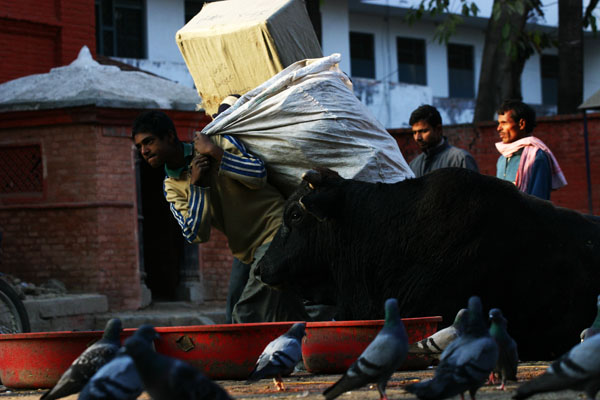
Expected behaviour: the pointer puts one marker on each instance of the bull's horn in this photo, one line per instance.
(301, 203)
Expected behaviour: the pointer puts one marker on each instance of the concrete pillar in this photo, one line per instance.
(190, 287)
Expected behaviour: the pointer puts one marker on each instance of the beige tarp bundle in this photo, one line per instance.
(235, 45)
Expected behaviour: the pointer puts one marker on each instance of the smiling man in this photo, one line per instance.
(525, 160)
(427, 131)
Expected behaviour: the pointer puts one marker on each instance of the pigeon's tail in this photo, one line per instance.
(62, 390)
(425, 346)
(334, 391)
(427, 389)
(543, 383)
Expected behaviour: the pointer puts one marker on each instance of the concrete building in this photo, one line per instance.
(395, 66)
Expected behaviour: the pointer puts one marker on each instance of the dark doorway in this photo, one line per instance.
(163, 243)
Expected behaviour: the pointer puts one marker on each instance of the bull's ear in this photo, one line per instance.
(319, 176)
(322, 204)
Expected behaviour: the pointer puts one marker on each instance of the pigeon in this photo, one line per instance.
(280, 356)
(434, 345)
(379, 360)
(118, 379)
(508, 357)
(595, 328)
(578, 369)
(166, 378)
(88, 362)
(465, 363)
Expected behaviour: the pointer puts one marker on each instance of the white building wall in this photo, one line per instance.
(591, 66)
(165, 18)
(335, 31)
(390, 101)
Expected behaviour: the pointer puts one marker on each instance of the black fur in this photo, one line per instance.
(433, 242)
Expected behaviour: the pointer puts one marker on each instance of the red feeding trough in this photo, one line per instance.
(37, 360)
(220, 351)
(331, 347)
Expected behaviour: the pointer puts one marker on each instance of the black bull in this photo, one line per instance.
(434, 241)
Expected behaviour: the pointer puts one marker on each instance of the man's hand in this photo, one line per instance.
(199, 168)
(203, 145)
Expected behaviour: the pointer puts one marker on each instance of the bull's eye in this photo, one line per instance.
(295, 216)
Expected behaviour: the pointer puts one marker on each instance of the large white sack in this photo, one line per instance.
(307, 116)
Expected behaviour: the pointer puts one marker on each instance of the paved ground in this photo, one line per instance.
(310, 387)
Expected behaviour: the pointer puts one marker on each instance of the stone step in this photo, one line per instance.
(83, 312)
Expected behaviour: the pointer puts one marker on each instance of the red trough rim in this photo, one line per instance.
(212, 328)
(190, 328)
(370, 322)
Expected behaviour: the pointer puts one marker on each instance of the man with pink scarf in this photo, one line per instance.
(525, 160)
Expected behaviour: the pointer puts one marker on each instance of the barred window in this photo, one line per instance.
(362, 55)
(461, 71)
(21, 170)
(411, 61)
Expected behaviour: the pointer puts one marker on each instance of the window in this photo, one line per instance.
(192, 7)
(549, 66)
(461, 74)
(120, 28)
(21, 170)
(411, 61)
(362, 55)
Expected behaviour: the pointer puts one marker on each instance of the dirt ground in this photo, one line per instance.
(308, 386)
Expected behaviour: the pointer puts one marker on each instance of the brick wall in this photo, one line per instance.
(38, 35)
(216, 262)
(563, 134)
(82, 229)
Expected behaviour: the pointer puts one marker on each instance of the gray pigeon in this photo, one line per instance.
(280, 356)
(166, 378)
(88, 362)
(466, 362)
(435, 344)
(382, 357)
(118, 379)
(508, 357)
(595, 328)
(578, 369)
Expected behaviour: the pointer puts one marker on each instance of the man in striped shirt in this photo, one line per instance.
(216, 182)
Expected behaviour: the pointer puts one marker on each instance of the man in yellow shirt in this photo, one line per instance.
(216, 182)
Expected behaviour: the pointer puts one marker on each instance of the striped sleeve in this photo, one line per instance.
(190, 207)
(240, 165)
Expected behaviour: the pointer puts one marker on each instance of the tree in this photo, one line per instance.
(508, 45)
(504, 54)
(570, 56)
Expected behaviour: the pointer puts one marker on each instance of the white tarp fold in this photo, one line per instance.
(307, 116)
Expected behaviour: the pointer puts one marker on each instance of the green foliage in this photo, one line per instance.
(514, 42)
(588, 18)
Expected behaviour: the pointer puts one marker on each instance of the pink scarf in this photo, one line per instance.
(530, 145)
